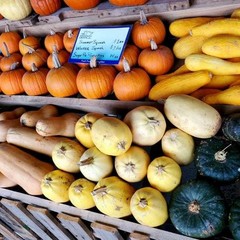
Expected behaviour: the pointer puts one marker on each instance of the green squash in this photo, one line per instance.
(218, 158)
(231, 127)
(234, 219)
(197, 209)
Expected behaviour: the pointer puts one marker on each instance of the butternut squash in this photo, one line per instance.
(217, 26)
(30, 118)
(222, 81)
(6, 182)
(222, 46)
(63, 125)
(15, 113)
(183, 83)
(5, 125)
(28, 138)
(179, 70)
(217, 66)
(201, 92)
(230, 96)
(188, 45)
(181, 27)
(23, 168)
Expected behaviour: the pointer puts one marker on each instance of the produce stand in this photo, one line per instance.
(28, 217)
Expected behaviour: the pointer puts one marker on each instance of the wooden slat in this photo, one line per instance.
(8, 233)
(20, 211)
(76, 226)
(17, 225)
(105, 232)
(138, 236)
(50, 222)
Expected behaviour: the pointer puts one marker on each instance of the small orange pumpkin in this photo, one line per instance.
(34, 81)
(148, 28)
(131, 53)
(11, 38)
(11, 81)
(45, 7)
(82, 4)
(95, 81)
(52, 40)
(131, 84)
(156, 60)
(9, 59)
(69, 39)
(61, 80)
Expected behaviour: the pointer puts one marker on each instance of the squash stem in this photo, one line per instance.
(86, 161)
(143, 18)
(153, 45)
(6, 48)
(24, 33)
(56, 61)
(47, 181)
(101, 191)
(143, 203)
(78, 188)
(121, 145)
(194, 207)
(93, 62)
(30, 49)
(52, 32)
(130, 167)
(14, 66)
(126, 66)
(34, 68)
(222, 154)
(88, 125)
(70, 33)
(153, 121)
(7, 29)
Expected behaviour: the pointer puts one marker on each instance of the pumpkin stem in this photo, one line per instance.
(30, 49)
(93, 62)
(143, 203)
(194, 207)
(56, 61)
(34, 68)
(222, 154)
(86, 161)
(55, 48)
(143, 18)
(7, 29)
(6, 48)
(78, 188)
(52, 32)
(14, 66)
(88, 125)
(101, 191)
(153, 45)
(70, 33)
(126, 66)
(24, 33)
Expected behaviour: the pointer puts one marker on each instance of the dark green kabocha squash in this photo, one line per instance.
(197, 209)
(234, 219)
(218, 158)
(231, 127)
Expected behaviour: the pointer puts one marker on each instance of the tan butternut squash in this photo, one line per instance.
(222, 81)
(6, 182)
(179, 70)
(30, 118)
(183, 83)
(23, 168)
(222, 46)
(216, 66)
(15, 113)
(28, 138)
(230, 96)
(182, 27)
(217, 26)
(63, 125)
(5, 125)
(188, 45)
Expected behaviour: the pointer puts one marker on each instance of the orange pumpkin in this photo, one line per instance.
(131, 53)
(45, 7)
(61, 80)
(54, 40)
(131, 84)
(145, 29)
(69, 39)
(95, 81)
(63, 57)
(30, 41)
(156, 60)
(127, 2)
(38, 57)
(11, 38)
(9, 59)
(11, 81)
(34, 81)
(82, 4)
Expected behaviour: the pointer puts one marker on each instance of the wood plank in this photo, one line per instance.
(138, 236)
(8, 233)
(76, 226)
(50, 222)
(20, 211)
(105, 232)
(17, 225)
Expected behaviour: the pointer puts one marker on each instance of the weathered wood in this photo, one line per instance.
(138, 236)
(8, 233)
(76, 226)
(105, 232)
(20, 211)
(90, 216)
(17, 225)
(50, 222)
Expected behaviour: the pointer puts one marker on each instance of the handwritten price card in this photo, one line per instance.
(106, 43)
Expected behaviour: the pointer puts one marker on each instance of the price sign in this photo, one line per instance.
(105, 43)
